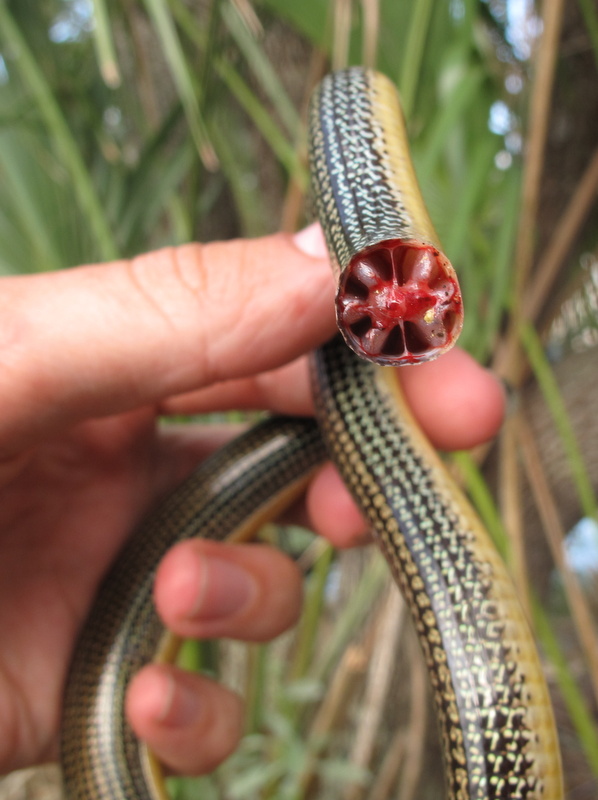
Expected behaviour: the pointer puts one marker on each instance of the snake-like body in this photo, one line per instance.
(497, 729)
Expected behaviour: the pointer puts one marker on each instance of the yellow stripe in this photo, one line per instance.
(391, 141)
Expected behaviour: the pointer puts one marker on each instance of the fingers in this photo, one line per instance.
(189, 722)
(458, 403)
(208, 589)
(105, 339)
(332, 511)
(285, 390)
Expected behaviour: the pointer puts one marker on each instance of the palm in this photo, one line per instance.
(65, 509)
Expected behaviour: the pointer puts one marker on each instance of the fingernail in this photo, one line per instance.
(224, 589)
(180, 705)
(311, 241)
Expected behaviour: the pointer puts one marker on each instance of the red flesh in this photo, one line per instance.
(399, 303)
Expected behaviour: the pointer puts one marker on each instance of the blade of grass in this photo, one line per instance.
(249, 17)
(511, 508)
(104, 45)
(238, 163)
(554, 400)
(381, 663)
(499, 290)
(485, 258)
(590, 17)
(180, 222)
(575, 701)
(413, 54)
(162, 19)
(163, 182)
(21, 175)
(282, 149)
(477, 488)
(157, 176)
(463, 96)
(262, 69)
(306, 636)
(369, 587)
(255, 694)
(330, 716)
(63, 140)
(11, 249)
(211, 43)
(248, 100)
(475, 184)
(416, 731)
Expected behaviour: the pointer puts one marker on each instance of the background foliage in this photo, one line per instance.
(126, 126)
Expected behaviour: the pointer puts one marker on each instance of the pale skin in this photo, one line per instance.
(88, 359)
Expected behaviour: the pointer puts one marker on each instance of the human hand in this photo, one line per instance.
(90, 358)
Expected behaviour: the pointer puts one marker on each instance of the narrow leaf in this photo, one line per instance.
(104, 45)
(63, 140)
(182, 77)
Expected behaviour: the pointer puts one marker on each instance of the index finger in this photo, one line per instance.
(104, 339)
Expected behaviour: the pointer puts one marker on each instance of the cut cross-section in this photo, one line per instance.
(399, 302)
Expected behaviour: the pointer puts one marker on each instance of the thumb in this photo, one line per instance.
(104, 339)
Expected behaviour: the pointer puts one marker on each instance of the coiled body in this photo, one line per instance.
(234, 492)
(496, 723)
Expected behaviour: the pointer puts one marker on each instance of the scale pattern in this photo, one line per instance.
(364, 185)
(497, 730)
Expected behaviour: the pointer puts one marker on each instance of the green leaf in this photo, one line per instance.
(554, 400)
(463, 95)
(182, 77)
(263, 70)
(66, 147)
(413, 53)
(576, 703)
(104, 44)
(310, 17)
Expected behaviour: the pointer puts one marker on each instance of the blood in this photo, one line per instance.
(399, 303)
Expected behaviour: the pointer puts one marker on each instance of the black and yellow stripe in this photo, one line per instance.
(497, 728)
